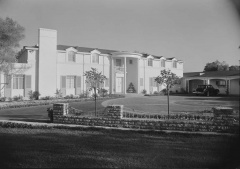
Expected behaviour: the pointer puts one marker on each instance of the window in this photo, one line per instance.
(221, 83)
(118, 62)
(70, 81)
(107, 82)
(162, 63)
(95, 58)
(71, 56)
(18, 82)
(174, 64)
(141, 81)
(150, 62)
(130, 62)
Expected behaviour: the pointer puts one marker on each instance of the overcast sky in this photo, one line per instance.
(195, 31)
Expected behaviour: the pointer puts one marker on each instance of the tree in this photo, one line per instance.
(94, 79)
(11, 33)
(234, 67)
(216, 66)
(168, 79)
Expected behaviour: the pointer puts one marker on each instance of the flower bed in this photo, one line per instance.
(31, 103)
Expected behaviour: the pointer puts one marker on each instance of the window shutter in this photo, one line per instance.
(27, 85)
(8, 88)
(63, 85)
(78, 85)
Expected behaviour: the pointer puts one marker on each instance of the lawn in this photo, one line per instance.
(55, 148)
(39, 113)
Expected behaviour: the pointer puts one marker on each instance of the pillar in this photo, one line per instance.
(125, 74)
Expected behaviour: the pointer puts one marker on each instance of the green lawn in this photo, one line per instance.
(47, 148)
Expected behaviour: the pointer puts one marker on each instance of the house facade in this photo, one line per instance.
(51, 67)
(228, 82)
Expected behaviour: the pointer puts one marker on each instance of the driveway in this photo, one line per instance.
(158, 104)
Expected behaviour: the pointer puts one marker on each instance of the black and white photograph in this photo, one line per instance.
(120, 84)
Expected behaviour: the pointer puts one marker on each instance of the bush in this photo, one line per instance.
(33, 95)
(58, 93)
(84, 94)
(164, 91)
(46, 98)
(18, 98)
(50, 114)
(155, 92)
(103, 92)
(144, 91)
(2, 99)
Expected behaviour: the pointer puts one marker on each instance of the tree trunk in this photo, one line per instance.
(168, 99)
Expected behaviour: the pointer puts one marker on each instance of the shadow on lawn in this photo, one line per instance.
(32, 120)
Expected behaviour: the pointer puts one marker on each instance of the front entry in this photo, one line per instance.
(119, 85)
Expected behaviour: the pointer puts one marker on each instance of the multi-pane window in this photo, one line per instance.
(162, 63)
(18, 82)
(118, 62)
(141, 81)
(71, 56)
(70, 81)
(150, 62)
(174, 64)
(221, 83)
(95, 58)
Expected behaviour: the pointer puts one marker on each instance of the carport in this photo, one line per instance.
(226, 81)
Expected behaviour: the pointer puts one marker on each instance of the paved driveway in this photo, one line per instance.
(158, 104)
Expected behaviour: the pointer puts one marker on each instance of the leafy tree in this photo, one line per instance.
(168, 79)
(216, 66)
(234, 67)
(94, 79)
(10, 35)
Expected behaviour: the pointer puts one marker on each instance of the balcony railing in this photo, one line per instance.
(118, 69)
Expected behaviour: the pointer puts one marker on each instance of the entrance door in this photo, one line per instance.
(119, 85)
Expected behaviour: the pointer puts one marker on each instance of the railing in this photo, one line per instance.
(118, 69)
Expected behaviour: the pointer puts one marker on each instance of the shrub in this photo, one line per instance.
(18, 98)
(33, 95)
(155, 92)
(9, 99)
(84, 94)
(3, 99)
(144, 91)
(58, 93)
(164, 91)
(103, 92)
(46, 98)
(50, 114)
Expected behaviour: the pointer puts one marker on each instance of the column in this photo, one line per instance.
(125, 74)
(138, 77)
(112, 75)
(207, 81)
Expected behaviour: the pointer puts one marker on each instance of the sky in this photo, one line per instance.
(194, 31)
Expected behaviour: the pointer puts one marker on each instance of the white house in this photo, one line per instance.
(52, 67)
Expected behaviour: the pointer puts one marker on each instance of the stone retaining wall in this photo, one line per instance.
(113, 118)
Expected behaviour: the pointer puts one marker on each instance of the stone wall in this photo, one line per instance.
(113, 118)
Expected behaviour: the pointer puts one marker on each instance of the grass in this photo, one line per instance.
(39, 113)
(55, 148)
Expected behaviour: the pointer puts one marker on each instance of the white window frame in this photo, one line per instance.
(73, 59)
(150, 62)
(17, 83)
(174, 64)
(93, 58)
(70, 82)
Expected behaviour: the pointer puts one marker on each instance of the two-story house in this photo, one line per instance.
(51, 66)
